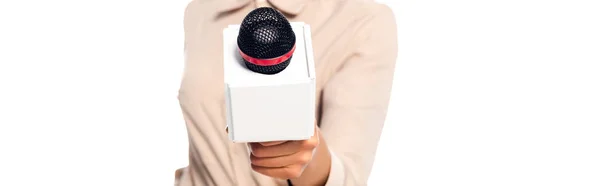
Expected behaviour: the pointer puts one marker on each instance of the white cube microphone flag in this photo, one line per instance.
(269, 78)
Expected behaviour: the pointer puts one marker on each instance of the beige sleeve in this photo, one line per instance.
(355, 101)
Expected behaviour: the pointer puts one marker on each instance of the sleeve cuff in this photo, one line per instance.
(336, 172)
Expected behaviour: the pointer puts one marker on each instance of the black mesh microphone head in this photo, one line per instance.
(266, 41)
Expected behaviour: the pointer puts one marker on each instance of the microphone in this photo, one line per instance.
(258, 78)
(266, 41)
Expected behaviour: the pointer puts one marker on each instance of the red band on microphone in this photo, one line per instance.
(268, 62)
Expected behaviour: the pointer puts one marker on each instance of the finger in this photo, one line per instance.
(289, 172)
(271, 143)
(282, 161)
(284, 149)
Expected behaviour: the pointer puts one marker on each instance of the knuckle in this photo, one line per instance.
(311, 144)
(255, 168)
(254, 160)
(305, 158)
(258, 152)
(315, 142)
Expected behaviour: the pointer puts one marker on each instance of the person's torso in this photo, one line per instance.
(334, 24)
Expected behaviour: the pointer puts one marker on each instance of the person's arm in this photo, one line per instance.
(354, 105)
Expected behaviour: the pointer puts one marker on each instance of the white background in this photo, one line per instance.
(486, 93)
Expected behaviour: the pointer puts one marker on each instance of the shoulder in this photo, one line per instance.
(367, 19)
(364, 16)
(195, 5)
(364, 9)
(196, 9)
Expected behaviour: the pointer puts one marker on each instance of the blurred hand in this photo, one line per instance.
(283, 159)
(290, 159)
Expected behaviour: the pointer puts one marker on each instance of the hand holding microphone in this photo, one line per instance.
(289, 159)
(283, 159)
(266, 43)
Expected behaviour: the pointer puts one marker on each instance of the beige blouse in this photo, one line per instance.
(355, 49)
